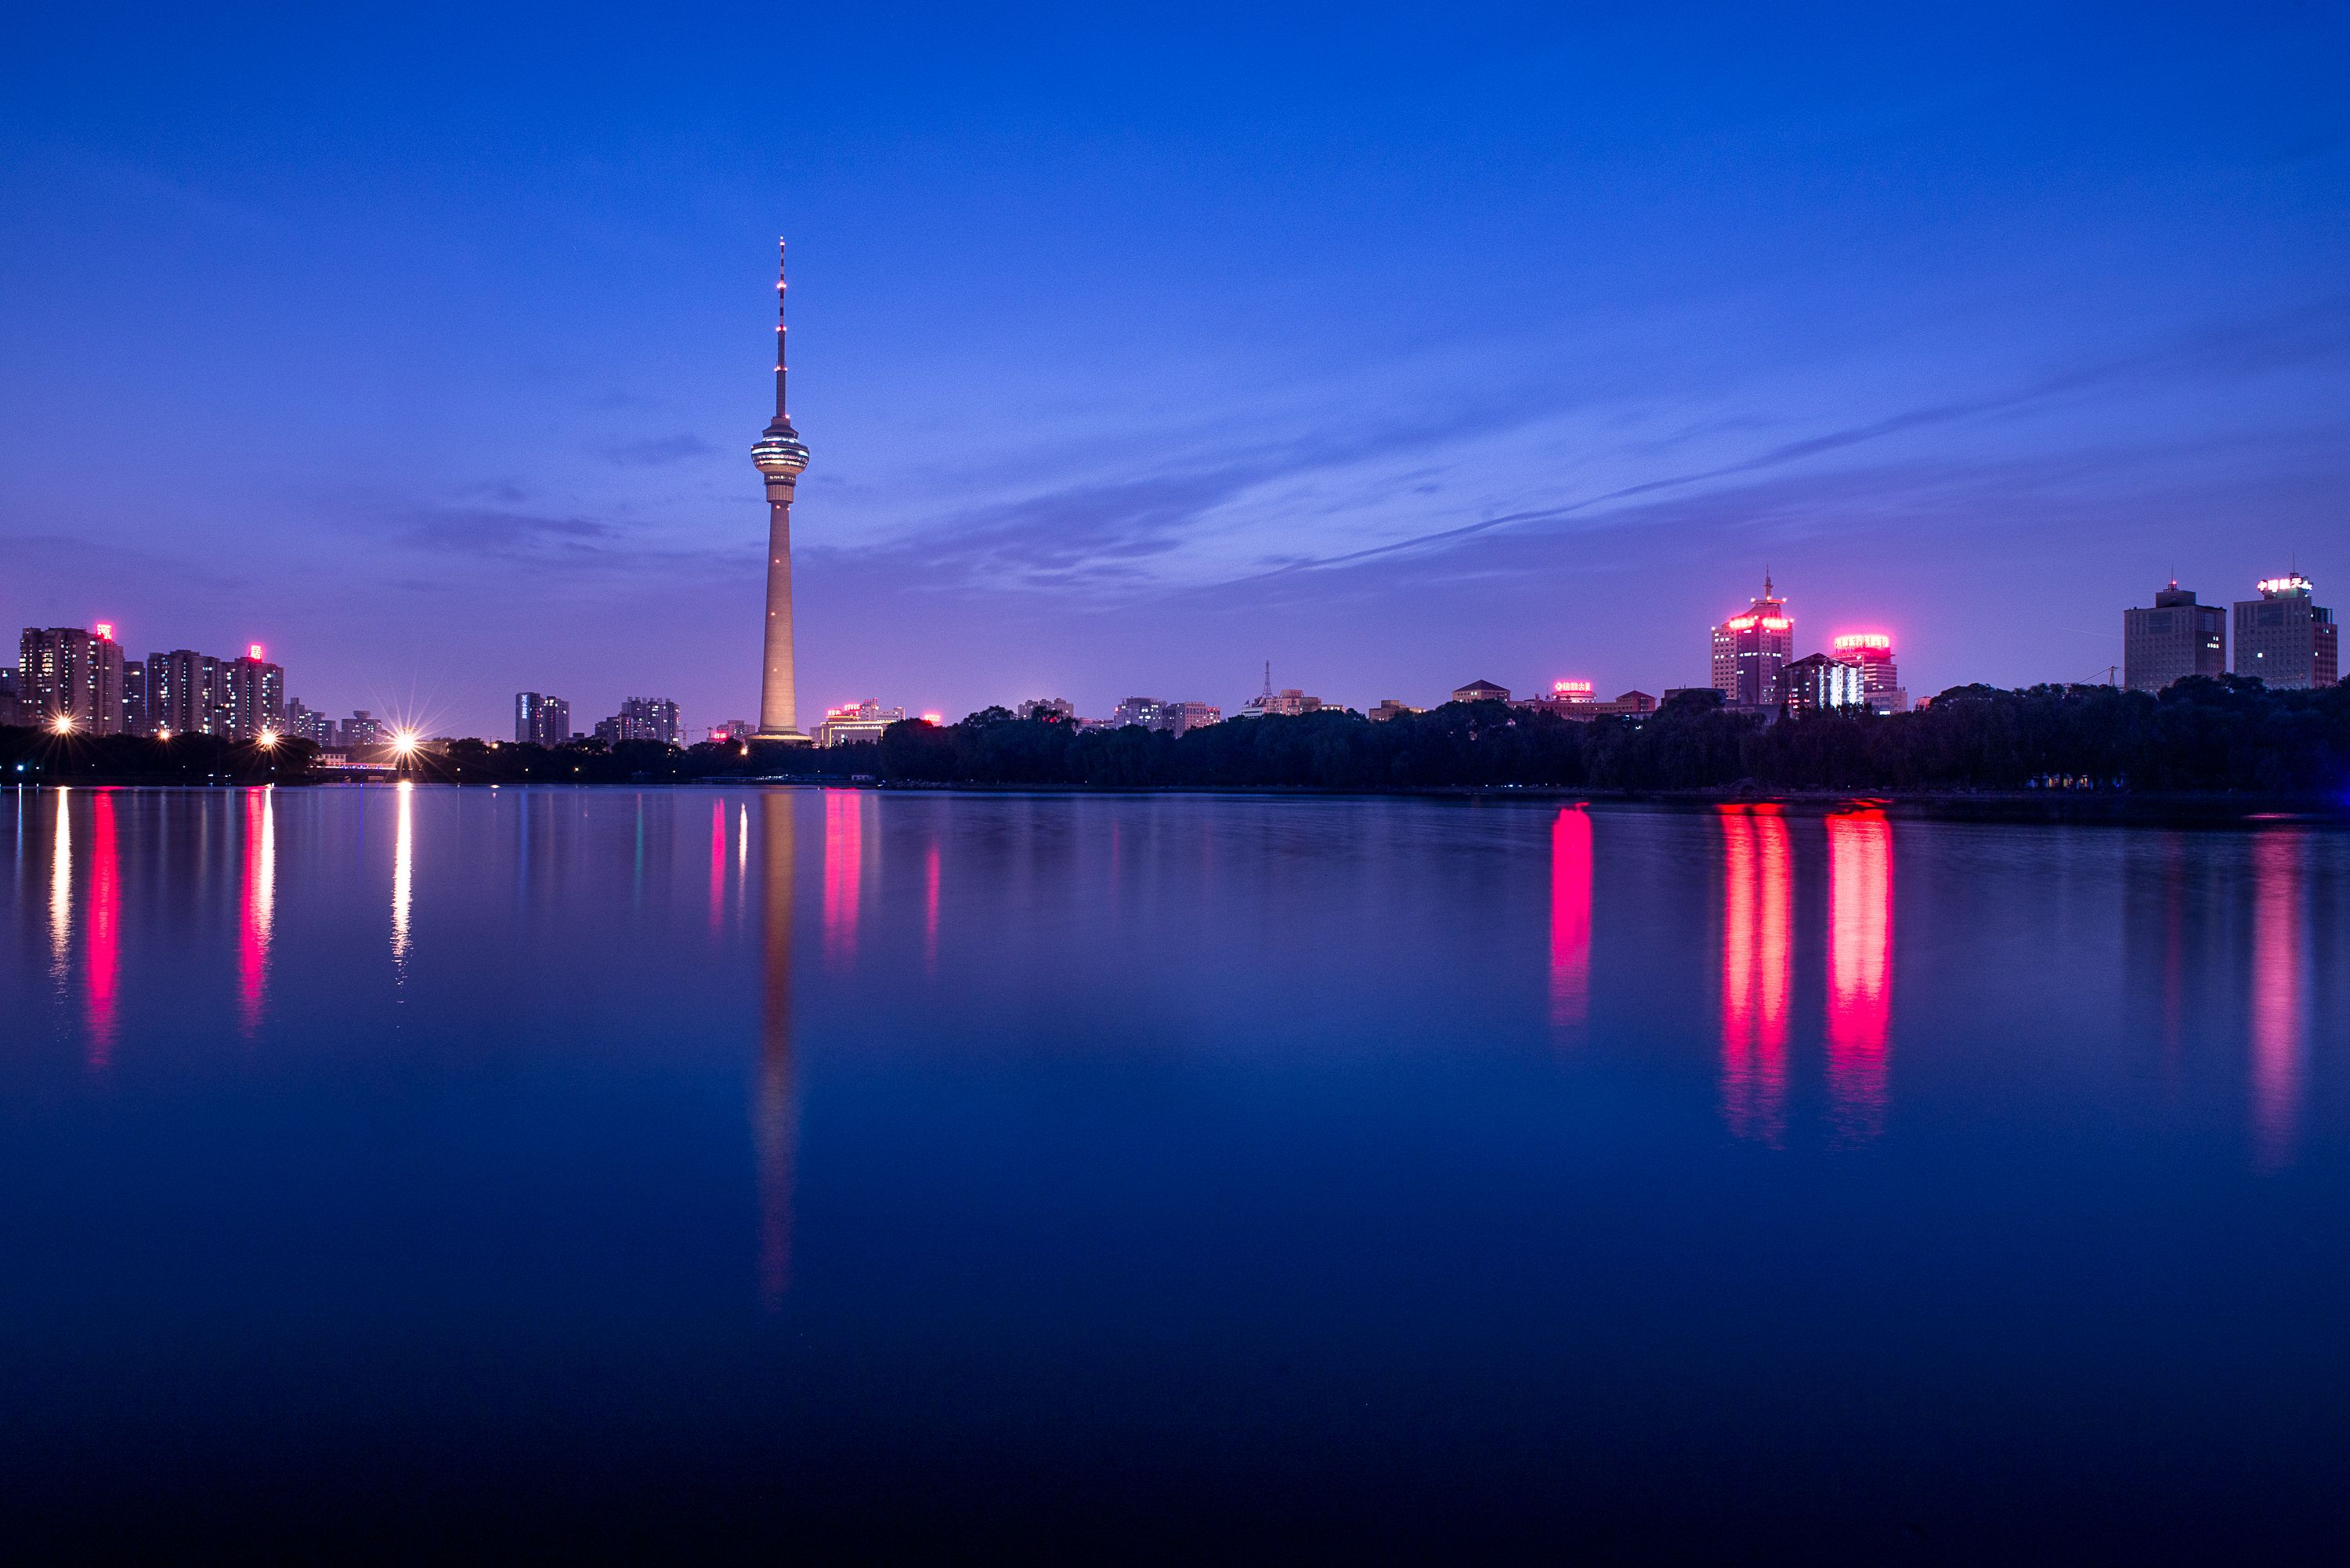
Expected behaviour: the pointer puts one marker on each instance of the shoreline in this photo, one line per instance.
(2118, 807)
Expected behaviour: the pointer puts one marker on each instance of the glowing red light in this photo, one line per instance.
(1864, 639)
(106, 631)
(1572, 688)
(253, 652)
(934, 718)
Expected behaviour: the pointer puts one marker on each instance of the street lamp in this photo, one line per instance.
(62, 724)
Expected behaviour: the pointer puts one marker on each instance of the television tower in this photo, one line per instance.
(781, 456)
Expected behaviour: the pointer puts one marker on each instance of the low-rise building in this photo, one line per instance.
(1480, 691)
(855, 722)
(1390, 708)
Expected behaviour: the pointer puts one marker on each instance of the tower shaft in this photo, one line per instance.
(779, 710)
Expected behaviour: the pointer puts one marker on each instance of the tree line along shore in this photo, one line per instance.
(2227, 736)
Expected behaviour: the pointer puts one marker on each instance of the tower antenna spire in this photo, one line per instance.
(782, 360)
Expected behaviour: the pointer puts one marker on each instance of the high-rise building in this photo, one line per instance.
(641, 718)
(2177, 638)
(782, 456)
(1817, 681)
(1752, 648)
(2286, 637)
(134, 698)
(541, 720)
(71, 675)
(1047, 709)
(64, 673)
(252, 696)
(362, 730)
(186, 694)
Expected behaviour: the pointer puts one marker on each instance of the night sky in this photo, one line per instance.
(1396, 349)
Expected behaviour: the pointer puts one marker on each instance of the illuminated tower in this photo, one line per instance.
(781, 456)
(1749, 649)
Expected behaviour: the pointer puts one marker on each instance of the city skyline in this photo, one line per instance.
(1141, 358)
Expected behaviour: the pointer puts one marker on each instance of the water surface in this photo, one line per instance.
(1166, 1175)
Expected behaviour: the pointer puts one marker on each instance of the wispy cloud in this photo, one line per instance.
(658, 451)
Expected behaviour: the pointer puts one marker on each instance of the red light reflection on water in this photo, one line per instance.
(931, 909)
(1570, 915)
(1757, 912)
(256, 907)
(2276, 1021)
(1860, 970)
(105, 926)
(717, 861)
(843, 870)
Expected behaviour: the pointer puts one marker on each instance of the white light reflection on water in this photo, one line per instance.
(402, 854)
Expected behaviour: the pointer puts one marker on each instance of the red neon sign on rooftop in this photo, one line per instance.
(1864, 639)
(1572, 688)
(106, 631)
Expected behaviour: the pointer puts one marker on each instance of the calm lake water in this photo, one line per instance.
(1138, 1176)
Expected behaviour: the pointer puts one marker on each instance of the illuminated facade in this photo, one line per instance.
(2177, 638)
(782, 456)
(66, 674)
(1751, 648)
(1880, 681)
(1817, 682)
(2287, 639)
(1480, 691)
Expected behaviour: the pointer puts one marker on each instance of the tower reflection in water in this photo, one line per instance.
(1758, 898)
(775, 1109)
(1860, 970)
(1570, 915)
(2276, 1000)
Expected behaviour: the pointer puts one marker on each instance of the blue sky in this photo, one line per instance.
(1397, 348)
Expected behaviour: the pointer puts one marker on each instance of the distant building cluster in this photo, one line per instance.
(1754, 666)
(2284, 638)
(70, 679)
